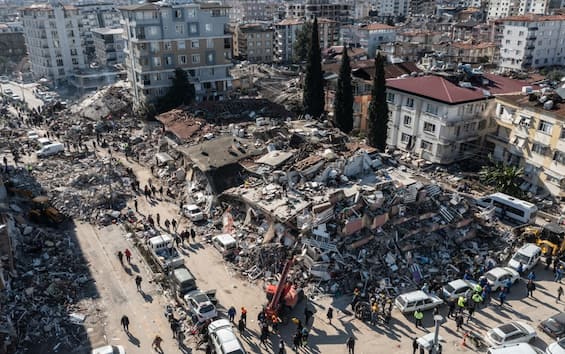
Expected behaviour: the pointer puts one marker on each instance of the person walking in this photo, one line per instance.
(138, 280)
(174, 223)
(531, 286)
(451, 310)
(558, 274)
(5, 164)
(532, 275)
(559, 293)
(128, 255)
(330, 314)
(125, 323)
(471, 312)
(231, 313)
(275, 320)
(241, 326)
(167, 224)
(307, 315)
(193, 235)
(414, 345)
(418, 316)
(135, 205)
(157, 344)
(281, 346)
(121, 257)
(297, 340)
(502, 296)
(264, 335)
(459, 321)
(350, 345)
(244, 314)
(158, 219)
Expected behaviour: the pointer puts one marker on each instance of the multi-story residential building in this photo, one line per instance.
(309, 9)
(531, 41)
(96, 15)
(392, 7)
(504, 8)
(422, 8)
(12, 47)
(285, 35)
(375, 34)
(109, 45)
(470, 52)
(254, 42)
(531, 134)
(251, 10)
(52, 37)
(160, 37)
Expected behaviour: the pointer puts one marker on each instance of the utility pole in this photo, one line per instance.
(438, 320)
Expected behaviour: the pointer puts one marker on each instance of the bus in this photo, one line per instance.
(513, 208)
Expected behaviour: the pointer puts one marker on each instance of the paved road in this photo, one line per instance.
(25, 91)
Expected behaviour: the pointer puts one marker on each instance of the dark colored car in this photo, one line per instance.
(554, 326)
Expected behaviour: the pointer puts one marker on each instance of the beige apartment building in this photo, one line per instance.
(254, 42)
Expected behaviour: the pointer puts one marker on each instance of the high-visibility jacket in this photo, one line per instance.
(477, 298)
(418, 315)
(478, 288)
(461, 301)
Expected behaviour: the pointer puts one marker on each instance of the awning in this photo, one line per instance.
(555, 175)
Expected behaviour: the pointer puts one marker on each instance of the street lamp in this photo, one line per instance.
(436, 347)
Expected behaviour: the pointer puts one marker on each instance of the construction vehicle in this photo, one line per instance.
(42, 212)
(550, 237)
(283, 295)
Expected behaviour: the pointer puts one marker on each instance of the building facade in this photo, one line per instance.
(503, 8)
(12, 47)
(52, 37)
(96, 15)
(109, 45)
(531, 41)
(375, 34)
(243, 11)
(392, 8)
(254, 43)
(531, 134)
(160, 37)
(310, 9)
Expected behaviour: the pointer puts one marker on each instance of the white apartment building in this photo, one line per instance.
(251, 10)
(531, 134)
(393, 7)
(310, 9)
(375, 34)
(52, 36)
(96, 15)
(160, 37)
(504, 8)
(531, 41)
(442, 120)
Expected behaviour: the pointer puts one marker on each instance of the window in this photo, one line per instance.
(195, 44)
(208, 27)
(469, 127)
(153, 30)
(545, 126)
(167, 45)
(559, 157)
(482, 124)
(407, 120)
(191, 12)
(179, 28)
(405, 138)
(154, 46)
(157, 61)
(178, 13)
(209, 43)
(431, 108)
(193, 28)
(169, 60)
(540, 149)
(75, 61)
(429, 127)
(426, 145)
(390, 97)
(409, 102)
(210, 58)
(195, 58)
(182, 59)
(181, 45)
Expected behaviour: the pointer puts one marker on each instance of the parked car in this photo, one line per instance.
(497, 277)
(554, 326)
(226, 244)
(164, 253)
(109, 349)
(32, 134)
(8, 92)
(223, 339)
(456, 288)
(412, 301)
(528, 255)
(556, 347)
(200, 305)
(518, 348)
(192, 212)
(511, 333)
(51, 149)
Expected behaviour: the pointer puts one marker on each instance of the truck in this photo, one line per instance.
(42, 212)
(164, 253)
(550, 238)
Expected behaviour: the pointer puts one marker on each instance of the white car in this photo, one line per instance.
(556, 347)
(528, 256)
(223, 339)
(33, 135)
(416, 300)
(456, 288)
(193, 212)
(511, 333)
(498, 277)
(109, 349)
(200, 305)
(519, 348)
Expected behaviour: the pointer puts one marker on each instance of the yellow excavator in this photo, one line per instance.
(42, 212)
(550, 237)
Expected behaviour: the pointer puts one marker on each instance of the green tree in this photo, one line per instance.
(180, 93)
(505, 179)
(343, 103)
(302, 43)
(377, 120)
(313, 97)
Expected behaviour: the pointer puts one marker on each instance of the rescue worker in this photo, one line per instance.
(418, 316)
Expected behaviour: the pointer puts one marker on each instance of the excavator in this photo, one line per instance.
(42, 212)
(550, 237)
(283, 296)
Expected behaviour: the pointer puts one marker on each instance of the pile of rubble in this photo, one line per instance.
(48, 294)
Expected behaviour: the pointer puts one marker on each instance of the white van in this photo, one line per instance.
(519, 348)
(226, 244)
(412, 301)
(164, 253)
(50, 149)
(528, 255)
(44, 142)
(223, 339)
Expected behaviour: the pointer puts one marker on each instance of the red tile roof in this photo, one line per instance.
(440, 89)
(377, 27)
(532, 18)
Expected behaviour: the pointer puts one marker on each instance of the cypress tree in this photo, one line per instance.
(343, 103)
(313, 98)
(377, 119)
